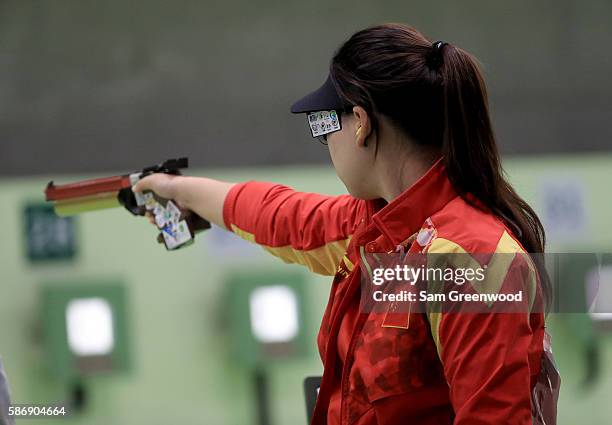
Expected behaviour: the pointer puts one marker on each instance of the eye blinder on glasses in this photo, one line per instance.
(322, 123)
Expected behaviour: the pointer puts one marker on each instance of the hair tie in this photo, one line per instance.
(434, 58)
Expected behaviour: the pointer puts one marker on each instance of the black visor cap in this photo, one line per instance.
(325, 98)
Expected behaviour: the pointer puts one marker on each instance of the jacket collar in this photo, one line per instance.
(405, 215)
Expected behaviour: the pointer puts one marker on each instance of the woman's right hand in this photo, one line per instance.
(202, 196)
(163, 185)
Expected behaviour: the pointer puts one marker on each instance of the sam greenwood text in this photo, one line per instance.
(424, 296)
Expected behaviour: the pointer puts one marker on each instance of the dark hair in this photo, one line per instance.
(440, 104)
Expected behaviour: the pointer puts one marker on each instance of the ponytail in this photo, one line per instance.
(470, 152)
(472, 160)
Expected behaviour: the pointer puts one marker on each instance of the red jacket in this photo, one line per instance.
(438, 368)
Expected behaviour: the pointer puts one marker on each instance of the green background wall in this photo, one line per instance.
(181, 370)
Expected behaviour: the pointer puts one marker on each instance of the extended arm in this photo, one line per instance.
(298, 227)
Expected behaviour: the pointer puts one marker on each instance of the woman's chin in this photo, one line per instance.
(360, 193)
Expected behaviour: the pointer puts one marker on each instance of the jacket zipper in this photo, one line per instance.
(350, 352)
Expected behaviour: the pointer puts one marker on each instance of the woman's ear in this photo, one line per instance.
(362, 126)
